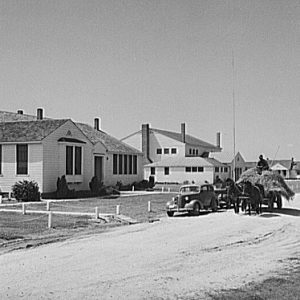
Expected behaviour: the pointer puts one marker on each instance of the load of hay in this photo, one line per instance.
(270, 180)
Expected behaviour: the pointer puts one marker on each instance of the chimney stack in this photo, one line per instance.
(39, 114)
(97, 124)
(146, 143)
(218, 141)
(183, 132)
(20, 112)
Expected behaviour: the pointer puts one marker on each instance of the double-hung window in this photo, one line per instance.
(22, 159)
(73, 160)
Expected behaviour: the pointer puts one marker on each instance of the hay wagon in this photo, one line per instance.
(272, 186)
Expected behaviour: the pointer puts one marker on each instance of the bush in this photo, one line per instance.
(96, 186)
(26, 191)
(63, 191)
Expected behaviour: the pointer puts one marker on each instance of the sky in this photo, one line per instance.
(218, 66)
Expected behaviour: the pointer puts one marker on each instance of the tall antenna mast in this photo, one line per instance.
(233, 113)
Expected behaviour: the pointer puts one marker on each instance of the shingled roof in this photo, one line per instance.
(110, 143)
(29, 131)
(188, 139)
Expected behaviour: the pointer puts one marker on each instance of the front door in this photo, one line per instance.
(98, 167)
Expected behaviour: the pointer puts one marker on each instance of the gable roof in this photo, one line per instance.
(180, 161)
(110, 143)
(29, 131)
(193, 141)
(6, 116)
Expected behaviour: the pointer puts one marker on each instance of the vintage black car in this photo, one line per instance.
(193, 198)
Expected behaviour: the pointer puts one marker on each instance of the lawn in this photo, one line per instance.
(15, 228)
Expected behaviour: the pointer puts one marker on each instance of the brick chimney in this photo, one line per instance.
(146, 143)
(183, 132)
(39, 114)
(218, 140)
(97, 124)
(20, 112)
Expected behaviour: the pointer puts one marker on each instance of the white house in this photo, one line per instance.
(171, 157)
(40, 149)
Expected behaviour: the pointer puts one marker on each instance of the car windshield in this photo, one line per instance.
(189, 189)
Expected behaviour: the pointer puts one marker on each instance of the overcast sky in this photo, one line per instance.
(159, 62)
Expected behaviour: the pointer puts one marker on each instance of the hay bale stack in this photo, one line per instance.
(271, 181)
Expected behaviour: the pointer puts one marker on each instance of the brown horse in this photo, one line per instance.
(234, 192)
(255, 197)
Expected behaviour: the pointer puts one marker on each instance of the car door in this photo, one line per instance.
(205, 195)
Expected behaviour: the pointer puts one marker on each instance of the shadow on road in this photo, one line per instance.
(283, 211)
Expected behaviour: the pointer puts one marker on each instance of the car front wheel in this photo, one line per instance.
(170, 213)
(196, 210)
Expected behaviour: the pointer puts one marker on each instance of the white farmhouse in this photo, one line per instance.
(172, 157)
(43, 149)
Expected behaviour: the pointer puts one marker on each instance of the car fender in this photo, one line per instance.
(192, 203)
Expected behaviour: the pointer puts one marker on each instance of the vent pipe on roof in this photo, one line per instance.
(97, 124)
(20, 112)
(183, 132)
(39, 114)
(218, 141)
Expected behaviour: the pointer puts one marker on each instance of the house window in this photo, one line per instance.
(130, 164)
(134, 164)
(194, 151)
(167, 171)
(71, 164)
(225, 169)
(217, 169)
(158, 151)
(173, 150)
(200, 169)
(188, 169)
(69, 160)
(190, 151)
(0, 159)
(120, 163)
(125, 164)
(115, 164)
(194, 169)
(197, 152)
(166, 150)
(152, 171)
(22, 159)
(78, 160)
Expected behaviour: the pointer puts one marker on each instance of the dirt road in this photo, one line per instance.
(175, 258)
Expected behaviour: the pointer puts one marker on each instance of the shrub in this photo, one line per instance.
(96, 186)
(26, 191)
(63, 191)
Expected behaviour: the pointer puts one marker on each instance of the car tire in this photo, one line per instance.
(170, 213)
(196, 209)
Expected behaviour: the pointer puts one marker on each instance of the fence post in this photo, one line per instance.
(133, 188)
(48, 205)
(162, 189)
(96, 212)
(0, 199)
(50, 219)
(23, 209)
(118, 210)
(149, 206)
(169, 190)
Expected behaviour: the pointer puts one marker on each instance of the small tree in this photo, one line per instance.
(26, 191)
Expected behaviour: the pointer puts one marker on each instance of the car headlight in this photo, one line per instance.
(186, 198)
